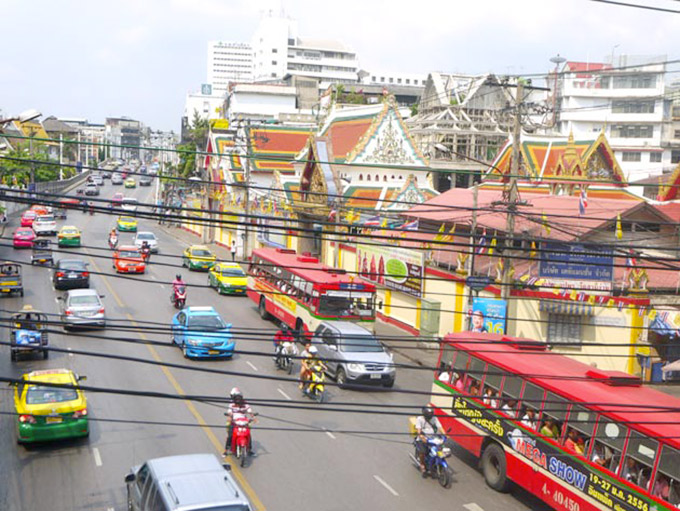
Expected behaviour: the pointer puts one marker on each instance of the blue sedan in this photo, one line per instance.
(201, 333)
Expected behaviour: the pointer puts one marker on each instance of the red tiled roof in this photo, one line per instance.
(670, 209)
(345, 135)
(274, 147)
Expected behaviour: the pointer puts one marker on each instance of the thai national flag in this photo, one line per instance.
(583, 202)
(630, 260)
(410, 226)
(482, 243)
(373, 221)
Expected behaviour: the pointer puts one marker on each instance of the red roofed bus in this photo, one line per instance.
(301, 292)
(577, 437)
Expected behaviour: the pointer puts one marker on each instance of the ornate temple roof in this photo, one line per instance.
(273, 147)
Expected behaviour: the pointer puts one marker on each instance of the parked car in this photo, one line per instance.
(70, 274)
(202, 333)
(46, 413)
(45, 225)
(190, 481)
(145, 180)
(82, 307)
(353, 354)
(23, 237)
(149, 237)
(91, 189)
(117, 179)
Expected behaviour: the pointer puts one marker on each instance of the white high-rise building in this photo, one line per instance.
(627, 101)
(229, 62)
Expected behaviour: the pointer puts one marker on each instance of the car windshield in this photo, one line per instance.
(206, 322)
(45, 218)
(232, 272)
(146, 236)
(71, 264)
(127, 200)
(346, 306)
(84, 300)
(39, 395)
(129, 253)
(360, 343)
(24, 232)
(69, 231)
(30, 214)
(127, 219)
(201, 252)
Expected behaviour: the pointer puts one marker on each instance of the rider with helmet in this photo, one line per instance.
(426, 426)
(310, 364)
(238, 406)
(177, 283)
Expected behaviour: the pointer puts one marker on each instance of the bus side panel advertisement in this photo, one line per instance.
(396, 268)
(555, 464)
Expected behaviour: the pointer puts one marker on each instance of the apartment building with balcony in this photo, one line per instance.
(627, 101)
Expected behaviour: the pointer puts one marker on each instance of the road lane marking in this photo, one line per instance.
(330, 435)
(97, 457)
(284, 395)
(473, 507)
(387, 486)
(69, 349)
(245, 485)
(251, 365)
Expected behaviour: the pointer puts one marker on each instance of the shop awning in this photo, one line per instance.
(565, 307)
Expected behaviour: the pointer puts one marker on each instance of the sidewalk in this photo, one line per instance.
(397, 340)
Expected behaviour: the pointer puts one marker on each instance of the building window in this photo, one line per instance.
(655, 157)
(398, 80)
(275, 50)
(633, 107)
(633, 131)
(631, 156)
(676, 134)
(382, 78)
(273, 62)
(391, 80)
(408, 81)
(636, 81)
(373, 78)
(675, 156)
(415, 82)
(564, 328)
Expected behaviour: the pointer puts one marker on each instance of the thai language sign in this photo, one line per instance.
(575, 262)
(396, 268)
(488, 315)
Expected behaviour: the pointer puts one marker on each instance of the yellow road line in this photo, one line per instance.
(255, 500)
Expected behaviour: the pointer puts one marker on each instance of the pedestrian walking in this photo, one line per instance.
(233, 250)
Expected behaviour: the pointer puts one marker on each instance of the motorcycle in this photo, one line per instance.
(314, 388)
(240, 437)
(284, 355)
(179, 297)
(435, 460)
(146, 254)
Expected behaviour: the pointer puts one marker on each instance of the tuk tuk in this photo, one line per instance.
(28, 332)
(10, 278)
(42, 253)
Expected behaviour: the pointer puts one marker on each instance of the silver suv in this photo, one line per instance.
(353, 354)
(193, 482)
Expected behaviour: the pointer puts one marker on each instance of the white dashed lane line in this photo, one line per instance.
(251, 365)
(284, 395)
(69, 349)
(387, 486)
(473, 507)
(331, 435)
(97, 457)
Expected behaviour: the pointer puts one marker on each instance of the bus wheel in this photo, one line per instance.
(494, 468)
(263, 308)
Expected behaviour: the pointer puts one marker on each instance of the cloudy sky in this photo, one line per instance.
(138, 58)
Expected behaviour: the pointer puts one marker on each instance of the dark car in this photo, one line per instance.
(70, 274)
(145, 180)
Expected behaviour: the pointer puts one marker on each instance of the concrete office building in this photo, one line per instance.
(228, 62)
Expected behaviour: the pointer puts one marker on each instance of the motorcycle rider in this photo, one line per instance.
(311, 364)
(146, 251)
(426, 427)
(176, 285)
(238, 406)
(113, 238)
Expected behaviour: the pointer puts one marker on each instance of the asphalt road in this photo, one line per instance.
(293, 470)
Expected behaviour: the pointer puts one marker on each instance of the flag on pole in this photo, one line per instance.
(410, 226)
(631, 261)
(533, 252)
(482, 243)
(492, 246)
(546, 225)
(583, 202)
(619, 228)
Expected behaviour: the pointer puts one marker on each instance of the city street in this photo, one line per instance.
(293, 470)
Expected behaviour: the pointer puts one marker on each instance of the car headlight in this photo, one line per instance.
(193, 342)
(226, 284)
(356, 367)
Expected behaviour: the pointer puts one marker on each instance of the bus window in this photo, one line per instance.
(492, 385)
(667, 483)
(554, 414)
(639, 461)
(532, 398)
(609, 439)
(445, 369)
(460, 366)
(512, 386)
(473, 385)
(583, 422)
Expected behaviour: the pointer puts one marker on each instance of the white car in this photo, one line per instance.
(129, 204)
(149, 237)
(45, 225)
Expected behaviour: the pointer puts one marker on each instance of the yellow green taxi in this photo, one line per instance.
(127, 224)
(69, 236)
(50, 413)
(228, 279)
(198, 257)
(130, 183)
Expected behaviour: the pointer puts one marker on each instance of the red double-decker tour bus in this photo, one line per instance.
(301, 292)
(578, 437)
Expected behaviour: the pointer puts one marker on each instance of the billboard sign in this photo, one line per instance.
(396, 268)
(488, 315)
(576, 262)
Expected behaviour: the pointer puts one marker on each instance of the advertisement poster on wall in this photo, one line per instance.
(488, 315)
(396, 268)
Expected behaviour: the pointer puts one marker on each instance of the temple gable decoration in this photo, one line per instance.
(408, 196)
(319, 182)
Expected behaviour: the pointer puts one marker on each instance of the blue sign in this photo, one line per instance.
(488, 315)
(576, 262)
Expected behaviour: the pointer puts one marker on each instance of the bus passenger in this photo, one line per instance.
(529, 418)
(550, 429)
(661, 487)
(631, 470)
(458, 382)
(600, 455)
(509, 408)
(474, 388)
(490, 398)
(574, 442)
